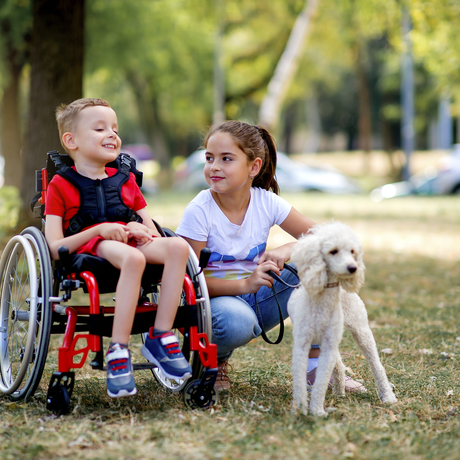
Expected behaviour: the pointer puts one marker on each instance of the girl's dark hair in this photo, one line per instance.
(255, 142)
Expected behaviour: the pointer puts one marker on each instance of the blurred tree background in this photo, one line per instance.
(155, 61)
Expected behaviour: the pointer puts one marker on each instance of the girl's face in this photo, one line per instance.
(227, 167)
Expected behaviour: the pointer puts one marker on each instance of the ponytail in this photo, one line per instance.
(266, 178)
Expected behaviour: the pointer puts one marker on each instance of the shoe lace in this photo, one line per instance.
(171, 348)
(118, 364)
(222, 370)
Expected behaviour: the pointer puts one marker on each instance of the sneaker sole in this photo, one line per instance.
(122, 393)
(150, 358)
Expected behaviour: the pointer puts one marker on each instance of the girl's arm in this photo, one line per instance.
(55, 236)
(296, 225)
(219, 287)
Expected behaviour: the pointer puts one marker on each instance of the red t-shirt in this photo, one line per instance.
(63, 199)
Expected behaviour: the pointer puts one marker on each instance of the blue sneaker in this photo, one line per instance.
(163, 351)
(120, 379)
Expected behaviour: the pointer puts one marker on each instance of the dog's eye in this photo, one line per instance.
(353, 251)
(333, 252)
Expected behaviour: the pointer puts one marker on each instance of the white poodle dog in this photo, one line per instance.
(330, 264)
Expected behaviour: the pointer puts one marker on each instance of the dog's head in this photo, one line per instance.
(329, 252)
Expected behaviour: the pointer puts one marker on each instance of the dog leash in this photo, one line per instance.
(277, 278)
(256, 306)
(293, 270)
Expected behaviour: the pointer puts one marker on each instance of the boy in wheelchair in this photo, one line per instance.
(96, 210)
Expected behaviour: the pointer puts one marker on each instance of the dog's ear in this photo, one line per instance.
(307, 256)
(355, 283)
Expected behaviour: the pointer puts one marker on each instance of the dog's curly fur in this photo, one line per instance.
(330, 264)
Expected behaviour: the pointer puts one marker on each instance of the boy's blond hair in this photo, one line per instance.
(67, 114)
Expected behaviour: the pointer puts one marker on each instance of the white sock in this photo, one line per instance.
(312, 364)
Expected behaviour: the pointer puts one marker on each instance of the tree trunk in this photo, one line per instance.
(364, 108)
(286, 67)
(56, 78)
(10, 130)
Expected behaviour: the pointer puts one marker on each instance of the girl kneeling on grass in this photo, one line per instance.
(233, 219)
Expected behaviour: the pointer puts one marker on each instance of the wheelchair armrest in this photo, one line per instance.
(64, 257)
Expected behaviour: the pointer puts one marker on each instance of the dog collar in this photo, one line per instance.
(332, 285)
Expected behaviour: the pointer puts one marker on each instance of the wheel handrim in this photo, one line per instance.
(18, 304)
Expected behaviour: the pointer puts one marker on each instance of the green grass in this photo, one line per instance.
(412, 293)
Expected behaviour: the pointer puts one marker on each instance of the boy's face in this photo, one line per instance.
(95, 137)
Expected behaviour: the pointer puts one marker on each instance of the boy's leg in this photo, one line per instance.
(131, 263)
(161, 346)
(173, 254)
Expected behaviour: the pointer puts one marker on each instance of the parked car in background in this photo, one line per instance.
(441, 180)
(292, 176)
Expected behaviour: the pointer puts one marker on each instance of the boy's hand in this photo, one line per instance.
(114, 231)
(140, 232)
(259, 277)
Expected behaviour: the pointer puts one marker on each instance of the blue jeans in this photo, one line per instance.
(234, 320)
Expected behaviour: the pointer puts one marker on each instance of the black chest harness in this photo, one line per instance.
(100, 199)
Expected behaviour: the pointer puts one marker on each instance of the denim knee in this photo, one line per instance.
(234, 324)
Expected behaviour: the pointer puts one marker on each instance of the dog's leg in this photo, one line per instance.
(339, 376)
(300, 352)
(355, 319)
(326, 362)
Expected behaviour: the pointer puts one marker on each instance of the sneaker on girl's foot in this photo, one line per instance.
(350, 385)
(120, 379)
(222, 380)
(163, 350)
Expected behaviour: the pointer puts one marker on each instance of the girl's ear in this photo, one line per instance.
(256, 166)
(69, 141)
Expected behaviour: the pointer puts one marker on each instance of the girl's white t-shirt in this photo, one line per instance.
(235, 249)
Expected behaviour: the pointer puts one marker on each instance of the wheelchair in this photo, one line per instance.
(34, 304)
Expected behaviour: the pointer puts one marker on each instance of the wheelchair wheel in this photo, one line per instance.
(204, 325)
(25, 316)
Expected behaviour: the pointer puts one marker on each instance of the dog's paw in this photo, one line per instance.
(296, 409)
(318, 412)
(388, 397)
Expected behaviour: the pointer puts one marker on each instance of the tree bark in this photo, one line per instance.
(56, 78)
(286, 67)
(10, 130)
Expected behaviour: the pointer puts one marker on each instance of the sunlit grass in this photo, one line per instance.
(412, 293)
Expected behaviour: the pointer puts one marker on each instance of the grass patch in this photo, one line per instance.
(413, 297)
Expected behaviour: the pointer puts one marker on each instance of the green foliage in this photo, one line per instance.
(15, 28)
(436, 39)
(10, 204)
(162, 44)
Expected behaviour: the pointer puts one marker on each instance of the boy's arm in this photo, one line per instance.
(147, 221)
(55, 236)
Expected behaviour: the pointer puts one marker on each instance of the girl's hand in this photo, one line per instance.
(279, 255)
(114, 231)
(259, 277)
